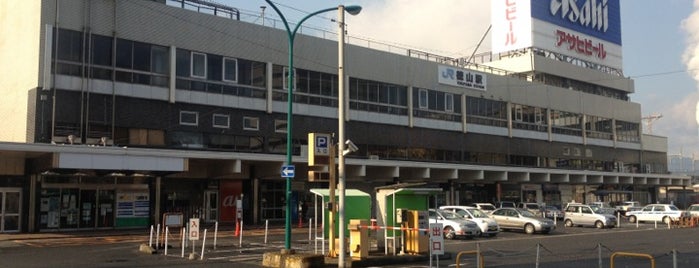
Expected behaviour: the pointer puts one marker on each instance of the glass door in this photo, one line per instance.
(10, 209)
(105, 208)
(69, 208)
(87, 208)
(210, 206)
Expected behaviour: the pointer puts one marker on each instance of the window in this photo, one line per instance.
(251, 123)
(198, 65)
(124, 54)
(230, 70)
(70, 45)
(221, 121)
(280, 126)
(188, 118)
(141, 56)
(448, 102)
(101, 50)
(160, 60)
(423, 99)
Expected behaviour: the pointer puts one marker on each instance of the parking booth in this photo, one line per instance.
(412, 202)
(358, 207)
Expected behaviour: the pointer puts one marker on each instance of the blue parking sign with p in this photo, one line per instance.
(321, 145)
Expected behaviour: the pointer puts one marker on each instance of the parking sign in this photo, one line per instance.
(321, 145)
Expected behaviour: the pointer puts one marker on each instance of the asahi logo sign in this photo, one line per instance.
(591, 13)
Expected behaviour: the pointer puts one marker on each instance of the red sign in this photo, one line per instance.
(580, 45)
(229, 191)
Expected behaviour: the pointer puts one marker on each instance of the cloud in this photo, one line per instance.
(445, 27)
(686, 132)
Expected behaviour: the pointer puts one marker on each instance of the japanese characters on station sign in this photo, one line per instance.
(461, 77)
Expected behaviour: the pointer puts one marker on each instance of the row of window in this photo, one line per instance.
(191, 118)
(144, 63)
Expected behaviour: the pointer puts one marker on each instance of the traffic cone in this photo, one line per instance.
(237, 228)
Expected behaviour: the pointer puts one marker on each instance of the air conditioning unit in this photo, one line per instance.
(374, 157)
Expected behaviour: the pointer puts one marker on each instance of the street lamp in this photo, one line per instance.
(290, 100)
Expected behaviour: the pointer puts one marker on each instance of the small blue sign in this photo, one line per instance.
(288, 171)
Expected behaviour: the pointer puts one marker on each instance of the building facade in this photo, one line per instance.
(119, 111)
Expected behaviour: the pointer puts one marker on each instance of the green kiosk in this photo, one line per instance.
(405, 196)
(357, 202)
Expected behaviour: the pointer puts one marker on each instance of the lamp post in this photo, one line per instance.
(290, 100)
(354, 10)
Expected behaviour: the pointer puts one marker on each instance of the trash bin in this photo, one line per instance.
(359, 238)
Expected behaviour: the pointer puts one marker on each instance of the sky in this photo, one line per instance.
(659, 41)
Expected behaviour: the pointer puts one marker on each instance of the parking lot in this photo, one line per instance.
(565, 247)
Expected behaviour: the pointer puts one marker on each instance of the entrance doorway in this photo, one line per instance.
(210, 206)
(10, 209)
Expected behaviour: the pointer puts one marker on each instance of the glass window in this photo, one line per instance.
(141, 56)
(230, 70)
(448, 102)
(221, 121)
(124, 54)
(251, 123)
(183, 62)
(198, 65)
(423, 99)
(258, 74)
(189, 118)
(101, 50)
(302, 80)
(280, 126)
(214, 67)
(160, 60)
(69, 45)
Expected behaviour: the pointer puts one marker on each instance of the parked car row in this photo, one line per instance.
(484, 219)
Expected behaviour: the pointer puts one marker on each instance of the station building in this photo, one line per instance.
(115, 112)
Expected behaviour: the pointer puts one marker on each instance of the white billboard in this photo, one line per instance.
(585, 29)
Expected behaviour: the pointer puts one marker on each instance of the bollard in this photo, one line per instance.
(240, 239)
(203, 245)
(215, 233)
(309, 231)
(183, 235)
(150, 237)
(656, 224)
(618, 220)
(157, 238)
(266, 225)
(166, 233)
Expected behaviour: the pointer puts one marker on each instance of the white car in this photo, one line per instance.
(656, 212)
(693, 210)
(454, 225)
(485, 207)
(489, 227)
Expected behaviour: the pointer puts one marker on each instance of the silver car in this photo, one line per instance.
(488, 226)
(586, 215)
(454, 224)
(522, 219)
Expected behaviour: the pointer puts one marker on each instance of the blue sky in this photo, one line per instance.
(653, 41)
